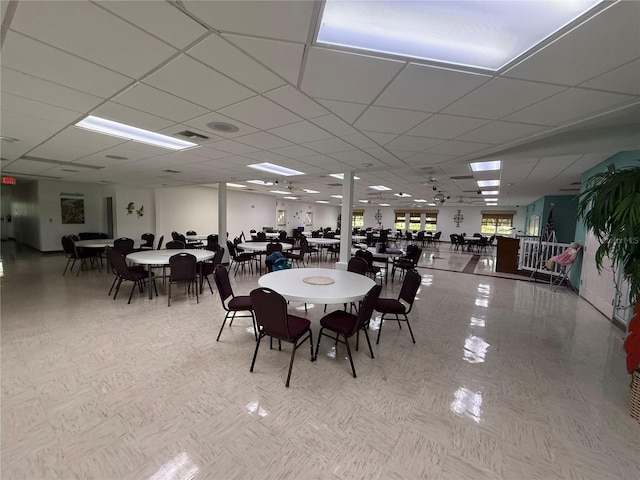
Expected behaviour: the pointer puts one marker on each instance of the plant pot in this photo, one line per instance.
(634, 396)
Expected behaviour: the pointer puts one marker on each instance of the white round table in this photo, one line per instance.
(101, 243)
(161, 257)
(355, 238)
(261, 246)
(196, 238)
(347, 287)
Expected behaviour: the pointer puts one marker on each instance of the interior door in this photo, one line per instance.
(596, 287)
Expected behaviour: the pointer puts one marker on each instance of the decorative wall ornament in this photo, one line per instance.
(130, 208)
(140, 211)
(458, 218)
(378, 216)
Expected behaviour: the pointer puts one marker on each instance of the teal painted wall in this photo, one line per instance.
(535, 208)
(620, 160)
(564, 215)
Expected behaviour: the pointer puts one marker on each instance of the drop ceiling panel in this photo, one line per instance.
(231, 146)
(301, 132)
(160, 19)
(409, 89)
(446, 126)
(283, 58)
(28, 167)
(572, 104)
(156, 102)
(500, 97)
(74, 143)
(359, 140)
(263, 140)
(207, 151)
(43, 91)
(349, 112)
(379, 137)
(295, 151)
(28, 130)
(13, 151)
(328, 164)
(212, 90)
(625, 79)
(35, 58)
(220, 55)
(348, 77)
(43, 111)
(603, 43)
(296, 101)
(356, 159)
(286, 20)
(120, 113)
(265, 156)
(260, 113)
(334, 125)
(454, 147)
(390, 120)
(499, 132)
(332, 145)
(85, 30)
(201, 123)
(66, 171)
(412, 144)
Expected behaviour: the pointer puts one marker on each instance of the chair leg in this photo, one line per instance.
(67, 266)
(255, 353)
(410, 331)
(222, 327)
(366, 335)
(132, 289)
(311, 344)
(169, 295)
(315, 356)
(115, 279)
(293, 354)
(117, 287)
(353, 369)
(380, 329)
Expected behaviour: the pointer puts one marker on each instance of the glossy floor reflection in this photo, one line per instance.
(507, 380)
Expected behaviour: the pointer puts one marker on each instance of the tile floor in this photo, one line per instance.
(507, 380)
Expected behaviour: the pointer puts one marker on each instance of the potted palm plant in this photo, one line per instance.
(610, 207)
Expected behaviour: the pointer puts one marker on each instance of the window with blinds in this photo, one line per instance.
(497, 223)
(357, 219)
(414, 221)
(431, 222)
(399, 223)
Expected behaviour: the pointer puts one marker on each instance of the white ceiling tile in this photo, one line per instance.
(27, 129)
(285, 20)
(161, 19)
(332, 145)
(296, 101)
(156, 102)
(402, 154)
(232, 146)
(222, 56)
(294, 151)
(214, 117)
(265, 156)
(43, 91)
(209, 152)
(379, 137)
(446, 126)
(412, 143)
(211, 90)
(356, 158)
(410, 89)
(498, 132)
(390, 120)
(65, 171)
(74, 143)
(328, 163)
(28, 167)
(334, 125)
(591, 49)
(345, 110)
(500, 97)
(35, 58)
(263, 140)
(625, 79)
(120, 113)
(335, 75)
(85, 30)
(568, 105)
(261, 113)
(283, 58)
(428, 158)
(359, 140)
(454, 147)
(16, 104)
(301, 132)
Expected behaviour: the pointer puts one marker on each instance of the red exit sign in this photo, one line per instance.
(8, 180)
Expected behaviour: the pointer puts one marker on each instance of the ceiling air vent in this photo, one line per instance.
(333, 184)
(463, 177)
(190, 134)
(171, 171)
(576, 183)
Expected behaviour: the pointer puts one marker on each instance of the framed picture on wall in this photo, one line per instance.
(72, 210)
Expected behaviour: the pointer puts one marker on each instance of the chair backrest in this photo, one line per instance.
(454, 238)
(271, 313)
(408, 235)
(160, 240)
(411, 251)
(148, 238)
(357, 265)
(261, 236)
(174, 235)
(183, 266)
(118, 262)
(123, 245)
(417, 253)
(213, 238)
(213, 245)
(181, 238)
(461, 240)
(367, 307)
(69, 246)
(420, 236)
(410, 286)
(217, 257)
(437, 235)
(221, 277)
(191, 232)
(366, 255)
(175, 245)
(101, 235)
(232, 249)
(282, 235)
(274, 247)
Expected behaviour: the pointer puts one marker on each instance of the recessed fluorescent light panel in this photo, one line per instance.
(121, 130)
(336, 196)
(261, 182)
(322, 201)
(491, 204)
(420, 200)
(486, 166)
(292, 198)
(236, 185)
(379, 187)
(488, 183)
(306, 190)
(279, 192)
(363, 201)
(490, 192)
(384, 204)
(485, 35)
(491, 199)
(402, 195)
(276, 169)
(341, 176)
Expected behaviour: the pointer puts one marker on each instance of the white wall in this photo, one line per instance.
(132, 225)
(323, 215)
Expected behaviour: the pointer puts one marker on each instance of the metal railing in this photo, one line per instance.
(534, 255)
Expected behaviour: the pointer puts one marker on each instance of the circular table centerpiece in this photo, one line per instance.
(318, 280)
